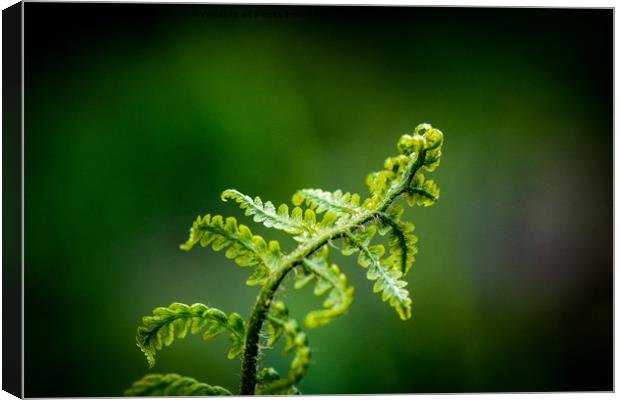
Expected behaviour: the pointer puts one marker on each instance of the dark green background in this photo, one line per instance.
(138, 116)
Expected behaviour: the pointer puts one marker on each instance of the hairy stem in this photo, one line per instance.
(249, 363)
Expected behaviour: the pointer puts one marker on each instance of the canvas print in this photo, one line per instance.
(283, 200)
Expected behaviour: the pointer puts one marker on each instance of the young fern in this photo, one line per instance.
(317, 220)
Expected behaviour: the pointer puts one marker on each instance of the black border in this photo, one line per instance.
(12, 199)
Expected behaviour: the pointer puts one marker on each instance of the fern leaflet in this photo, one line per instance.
(279, 321)
(387, 279)
(343, 205)
(176, 320)
(268, 215)
(267, 377)
(245, 248)
(402, 241)
(329, 280)
(422, 192)
(302, 224)
(173, 385)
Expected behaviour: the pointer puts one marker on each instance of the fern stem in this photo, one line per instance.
(249, 363)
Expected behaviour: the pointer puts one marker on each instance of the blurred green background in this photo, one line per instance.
(139, 116)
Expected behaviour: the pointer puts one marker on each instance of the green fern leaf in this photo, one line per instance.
(397, 165)
(295, 339)
(422, 192)
(302, 277)
(173, 385)
(278, 312)
(360, 237)
(342, 205)
(379, 183)
(402, 246)
(302, 224)
(422, 149)
(177, 319)
(268, 376)
(402, 241)
(393, 213)
(259, 277)
(245, 248)
(330, 280)
(267, 214)
(433, 139)
(236, 326)
(387, 280)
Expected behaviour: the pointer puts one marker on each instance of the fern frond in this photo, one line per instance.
(259, 276)
(244, 248)
(173, 385)
(421, 149)
(295, 339)
(268, 376)
(329, 280)
(433, 142)
(383, 182)
(387, 279)
(267, 214)
(360, 237)
(279, 312)
(176, 320)
(302, 224)
(343, 205)
(401, 242)
(426, 141)
(422, 192)
(379, 183)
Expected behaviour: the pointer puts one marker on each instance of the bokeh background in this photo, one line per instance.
(138, 116)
